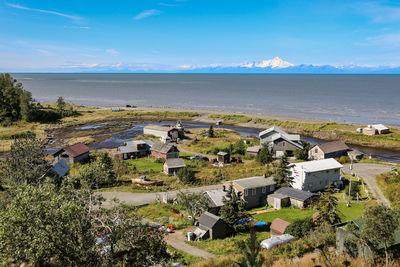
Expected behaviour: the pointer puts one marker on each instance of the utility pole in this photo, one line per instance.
(351, 175)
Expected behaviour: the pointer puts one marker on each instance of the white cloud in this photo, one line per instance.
(75, 18)
(112, 52)
(187, 66)
(78, 27)
(386, 40)
(46, 52)
(146, 13)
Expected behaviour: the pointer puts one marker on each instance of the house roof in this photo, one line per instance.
(60, 168)
(254, 182)
(380, 127)
(278, 196)
(254, 149)
(221, 153)
(317, 165)
(175, 163)
(294, 193)
(279, 225)
(162, 147)
(76, 149)
(334, 146)
(278, 136)
(131, 146)
(159, 127)
(208, 219)
(292, 137)
(216, 196)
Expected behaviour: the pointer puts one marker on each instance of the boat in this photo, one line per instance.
(144, 181)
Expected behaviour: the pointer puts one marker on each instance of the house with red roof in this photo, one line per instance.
(74, 153)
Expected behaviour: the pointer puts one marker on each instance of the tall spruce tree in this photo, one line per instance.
(327, 207)
(281, 176)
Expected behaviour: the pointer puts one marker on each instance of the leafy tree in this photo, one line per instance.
(26, 163)
(327, 207)
(282, 177)
(211, 132)
(378, 229)
(300, 227)
(302, 154)
(127, 241)
(194, 203)
(61, 105)
(42, 224)
(10, 99)
(250, 250)
(99, 173)
(355, 189)
(26, 105)
(186, 176)
(240, 147)
(233, 211)
(322, 238)
(264, 156)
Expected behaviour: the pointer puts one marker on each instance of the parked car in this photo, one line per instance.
(198, 157)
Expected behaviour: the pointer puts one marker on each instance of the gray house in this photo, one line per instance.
(287, 196)
(334, 149)
(173, 165)
(254, 190)
(280, 142)
(210, 226)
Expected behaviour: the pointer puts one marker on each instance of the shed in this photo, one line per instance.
(173, 165)
(216, 199)
(211, 226)
(223, 157)
(286, 196)
(164, 132)
(382, 129)
(278, 227)
(164, 150)
(369, 130)
(253, 150)
(74, 153)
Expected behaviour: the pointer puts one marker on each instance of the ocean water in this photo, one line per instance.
(351, 98)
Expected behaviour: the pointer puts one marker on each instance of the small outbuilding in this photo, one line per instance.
(164, 132)
(211, 226)
(60, 168)
(369, 130)
(164, 150)
(223, 157)
(74, 153)
(216, 199)
(287, 196)
(253, 150)
(278, 227)
(382, 129)
(173, 165)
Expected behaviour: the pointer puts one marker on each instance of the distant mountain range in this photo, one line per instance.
(278, 65)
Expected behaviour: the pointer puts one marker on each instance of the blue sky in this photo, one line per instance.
(166, 34)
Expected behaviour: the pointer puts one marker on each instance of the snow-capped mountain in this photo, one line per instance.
(275, 63)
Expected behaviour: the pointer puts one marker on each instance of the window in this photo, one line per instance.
(246, 192)
(283, 143)
(264, 189)
(253, 191)
(316, 150)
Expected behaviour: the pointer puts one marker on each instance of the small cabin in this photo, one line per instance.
(223, 157)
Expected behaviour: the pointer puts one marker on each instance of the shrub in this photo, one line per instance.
(186, 176)
(300, 228)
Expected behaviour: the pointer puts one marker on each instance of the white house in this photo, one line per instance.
(315, 175)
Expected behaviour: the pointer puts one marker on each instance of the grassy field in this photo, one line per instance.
(162, 213)
(353, 212)
(287, 214)
(228, 245)
(182, 257)
(389, 183)
(145, 164)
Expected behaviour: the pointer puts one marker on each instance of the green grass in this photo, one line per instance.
(350, 213)
(146, 164)
(182, 257)
(227, 245)
(287, 214)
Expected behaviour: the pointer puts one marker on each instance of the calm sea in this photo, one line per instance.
(351, 98)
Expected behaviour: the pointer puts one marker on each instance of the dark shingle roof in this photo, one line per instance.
(208, 219)
(294, 193)
(333, 146)
(77, 149)
(162, 147)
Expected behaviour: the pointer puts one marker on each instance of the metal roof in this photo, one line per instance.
(222, 153)
(175, 163)
(294, 193)
(159, 127)
(60, 168)
(76, 149)
(255, 149)
(293, 137)
(317, 165)
(380, 127)
(131, 146)
(208, 219)
(254, 182)
(162, 147)
(216, 196)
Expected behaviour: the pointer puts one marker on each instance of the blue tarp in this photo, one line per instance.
(261, 224)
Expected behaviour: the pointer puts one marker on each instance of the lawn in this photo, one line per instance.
(228, 245)
(146, 164)
(162, 213)
(182, 257)
(287, 214)
(350, 213)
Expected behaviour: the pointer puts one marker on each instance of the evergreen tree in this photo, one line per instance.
(61, 105)
(233, 211)
(240, 147)
(327, 207)
(282, 177)
(186, 176)
(211, 132)
(264, 156)
(250, 249)
(10, 99)
(302, 154)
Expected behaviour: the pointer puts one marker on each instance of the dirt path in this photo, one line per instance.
(139, 199)
(177, 240)
(368, 173)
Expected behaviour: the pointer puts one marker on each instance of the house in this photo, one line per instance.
(135, 149)
(278, 227)
(216, 199)
(74, 153)
(164, 150)
(254, 190)
(287, 196)
(173, 165)
(382, 129)
(164, 132)
(60, 168)
(342, 234)
(280, 142)
(223, 157)
(210, 226)
(334, 149)
(253, 150)
(314, 175)
(369, 130)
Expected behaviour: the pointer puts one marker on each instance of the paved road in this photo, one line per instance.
(139, 199)
(368, 173)
(177, 240)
